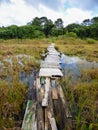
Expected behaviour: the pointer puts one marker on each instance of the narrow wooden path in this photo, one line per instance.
(49, 109)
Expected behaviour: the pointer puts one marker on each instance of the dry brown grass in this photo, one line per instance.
(69, 46)
(79, 48)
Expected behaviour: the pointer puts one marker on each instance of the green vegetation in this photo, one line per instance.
(90, 41)
(44, 27)
(13, 92)
(11, 100)
(82, 97)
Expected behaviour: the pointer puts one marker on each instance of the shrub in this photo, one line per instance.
(90, 41)
(71, 34)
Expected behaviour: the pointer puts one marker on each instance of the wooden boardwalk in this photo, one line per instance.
(50, 109)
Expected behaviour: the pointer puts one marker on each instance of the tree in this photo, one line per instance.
(94, 31)
(48, 27)
(59, 23)
(29, 31)
(56, 32)
(5, 33)
(94, 20)
(43, 21)
(71, 27)
(87, 22)
(36, 23)
(13, 31)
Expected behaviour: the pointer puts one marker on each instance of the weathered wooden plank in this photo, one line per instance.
(54, 94)
(37, 84)
(46, 95)
(29, 122)
(45, 102)
(53, 123)
(39, 112)
(40, 120)
(49, 72)
(68, 114)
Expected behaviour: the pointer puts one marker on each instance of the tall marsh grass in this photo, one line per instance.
(82, 98)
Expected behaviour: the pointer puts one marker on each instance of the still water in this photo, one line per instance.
(75, 65)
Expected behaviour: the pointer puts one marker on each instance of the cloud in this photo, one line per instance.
(18, 12)
(83, 4)
(75, 15)
(52, 4)
(4, 1)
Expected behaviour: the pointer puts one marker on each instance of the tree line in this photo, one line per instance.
(44, 27)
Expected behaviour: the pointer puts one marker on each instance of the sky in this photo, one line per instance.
(20, 12)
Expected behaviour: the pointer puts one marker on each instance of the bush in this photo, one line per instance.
(71, 34)
(90, 41)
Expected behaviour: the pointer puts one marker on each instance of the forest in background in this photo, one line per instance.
(43, 27)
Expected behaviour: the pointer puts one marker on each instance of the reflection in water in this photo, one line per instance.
(23, 77)
(74, 65)
(29, 79)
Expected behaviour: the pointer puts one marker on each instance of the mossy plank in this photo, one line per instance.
(29, 117)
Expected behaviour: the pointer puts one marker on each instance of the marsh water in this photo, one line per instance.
(71, 65)
(74, 65)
